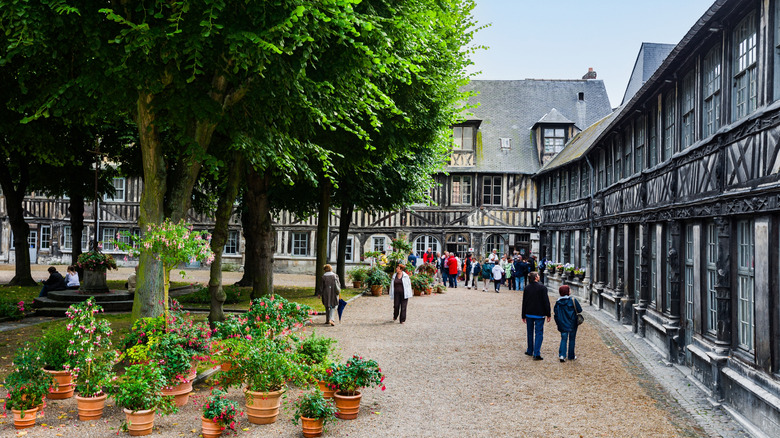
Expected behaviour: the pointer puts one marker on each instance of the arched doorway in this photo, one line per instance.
(457, 243)
(422, 243)
(497, 242)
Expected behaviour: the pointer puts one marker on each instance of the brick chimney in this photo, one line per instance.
(590, 74)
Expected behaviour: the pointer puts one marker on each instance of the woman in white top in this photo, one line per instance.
(72, 278)
(400, 292)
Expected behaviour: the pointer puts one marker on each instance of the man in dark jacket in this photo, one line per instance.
(536, 307)
(55, 282)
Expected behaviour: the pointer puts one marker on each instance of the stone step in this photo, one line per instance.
(45, 306)
(74, 296)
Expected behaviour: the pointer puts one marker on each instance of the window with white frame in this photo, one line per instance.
(378, 243)
(422, 243)
(711, 91)
(669, 119)
(689, 277)
(349, 249)
(231, 244)
(555, 254)
(687, 105)
(584, 180)
(45, 236)
(461, 190)
(506, 142)
(67, 237)
(554, 139)
(610, 255)
(119, 190)
(463, 137)
(109, 234)
(745, 284)
(745, 88)
(495, 241)
(712, 277)
(584, 238)
(491, 190)
(300, 244)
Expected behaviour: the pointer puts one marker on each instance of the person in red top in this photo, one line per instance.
(428, 256)
(452, 265)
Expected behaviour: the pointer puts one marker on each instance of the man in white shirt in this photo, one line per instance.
(493, 257)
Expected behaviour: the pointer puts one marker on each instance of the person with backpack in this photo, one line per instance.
(498, 276)
(487, 269)
(565, 311)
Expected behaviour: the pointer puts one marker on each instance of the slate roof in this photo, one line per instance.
(553, 117)
(649, 58)
(509, 109)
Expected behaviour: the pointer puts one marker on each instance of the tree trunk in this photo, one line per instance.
(219, 237)
(345, 220)
(14, 203)
(148, 300)
(323, 217)
(76, 209)
(250, 239)
(260, 225)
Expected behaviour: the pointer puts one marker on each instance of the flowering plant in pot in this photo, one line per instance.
(376, 280)
(219, 414)
(421, 283)
(139, 392)
(95, 261)
(357, 275)
(27, 386)
(316, 353)
(92, 357)
(53, 353)
(314, 411)
(276, 316)
(349, 378)
(167, 351)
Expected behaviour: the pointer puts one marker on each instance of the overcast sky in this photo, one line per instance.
(560, 39)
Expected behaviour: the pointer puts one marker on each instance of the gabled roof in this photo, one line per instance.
(509, 109)
(649, 58)
(554, 117)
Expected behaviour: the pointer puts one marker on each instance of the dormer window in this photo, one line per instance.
(463, 138)
(554, 139)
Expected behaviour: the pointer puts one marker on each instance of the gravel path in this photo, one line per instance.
(456, 368)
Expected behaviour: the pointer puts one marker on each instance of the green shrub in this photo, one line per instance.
(201, 296)
(314, 405)
(11, 309)
(54, 348)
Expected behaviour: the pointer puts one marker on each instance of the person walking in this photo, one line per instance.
(536, 307)
(498, 274)
(400, 291)
(476, 268)
(565, 314)
(487, 274)
(507, 267)
(521, 272)
(452, 265)
(445, 270)
(467, 269)
(330, 293)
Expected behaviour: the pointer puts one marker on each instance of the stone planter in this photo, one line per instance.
(94, 282)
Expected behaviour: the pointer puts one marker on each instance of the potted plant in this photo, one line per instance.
(316, 353)
(219, 414)
(175, 362)
(376, 279)
(579, 273)
(349, 378)
(420, 283)
(27, 387)
(439, 288)
(92, 357)
(568, 269)
(265, 366)
(95, 263)
(427, 268)
(314, 411)
(357, 275)
(138, 391)
(53, 351)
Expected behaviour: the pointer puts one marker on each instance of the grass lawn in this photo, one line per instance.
(303, 295)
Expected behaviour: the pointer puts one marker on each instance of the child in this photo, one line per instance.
(565, 313)
(475, 270)
(498, 276)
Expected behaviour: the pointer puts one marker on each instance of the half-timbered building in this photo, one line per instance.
(672, 204)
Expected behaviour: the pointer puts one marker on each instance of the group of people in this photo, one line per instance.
(57, 282)
(506, 270)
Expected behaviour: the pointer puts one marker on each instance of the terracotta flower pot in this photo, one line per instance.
(312, 427)
(91, 408)
(428, 291)
(357, 284)
(139, 423)
(24, 419)
(263, 407)
(376, 290)
(226, 366)
(417, 292)
(210, 429)
(180, 392)
(326, 391)
(64, 385)
(348, 405)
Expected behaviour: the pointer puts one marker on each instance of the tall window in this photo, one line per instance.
(566, 254)
(584, 237)
(688, 128)
(564, 185)
(745, 282)
(555, 254)
(378, 244)
(711, 91)
(610, 255)
(608, 167)
(745, 90)
(555, 191)
(45, 236)
(547, 194)
(422, 243)
(628, 149)
(639, 144)
(461, 190)
(231, 244)
(119, 191)
(67, 237)
(712, 277)
(689, 275)
(600, 180)
(494, 241)
(300, 244)
(584, 180)
(554, 139)
(617, 147)
(652, 138)
(574, 179)
(668, 277)
(463, 137)
(349, 251)
(669, 115)
(653, 266)
(491, 190)
(637, 262)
